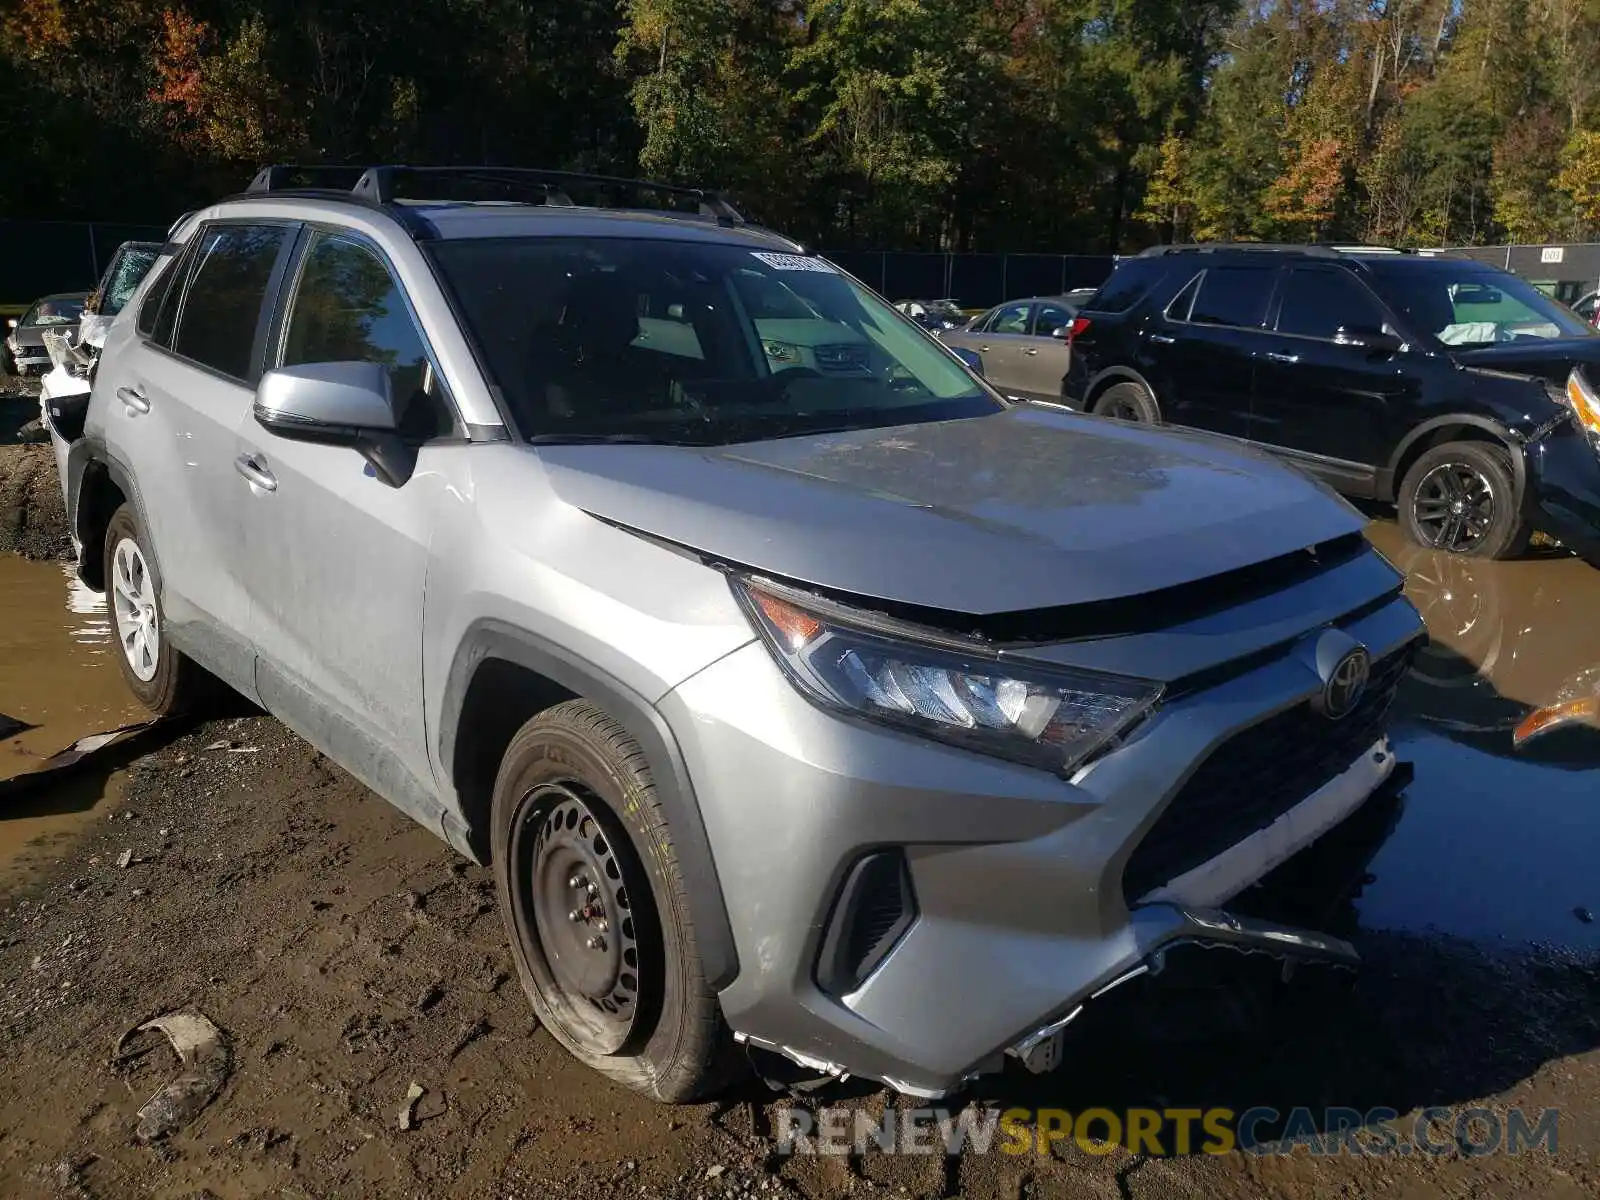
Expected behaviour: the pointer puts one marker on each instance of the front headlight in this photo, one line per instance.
(1031, 713)
(1584, 403)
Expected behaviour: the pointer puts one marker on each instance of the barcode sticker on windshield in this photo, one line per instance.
(795, 262)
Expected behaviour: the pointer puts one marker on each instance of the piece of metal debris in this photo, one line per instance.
(207, 1061)
(408, 1111)
(78, 754)
(124, 859)
(12, 725)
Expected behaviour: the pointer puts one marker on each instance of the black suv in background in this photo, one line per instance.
(1440, 384)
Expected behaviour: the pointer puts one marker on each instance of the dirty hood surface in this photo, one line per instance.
(1027, 508)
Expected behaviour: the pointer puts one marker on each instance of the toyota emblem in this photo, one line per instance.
(1346, 683)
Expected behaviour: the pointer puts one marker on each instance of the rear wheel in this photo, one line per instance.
(163, 680)
(1128, 402)
(1461, 498)
(595, 907)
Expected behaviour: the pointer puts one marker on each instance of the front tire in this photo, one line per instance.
(596, 908)
(1462, 498)
(1128, 402)
(159, 675)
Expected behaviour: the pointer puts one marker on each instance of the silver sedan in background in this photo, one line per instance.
(1024, 344)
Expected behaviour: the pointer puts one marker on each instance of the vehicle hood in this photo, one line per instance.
(1552, 358)
(1025, 509)
(32, 335)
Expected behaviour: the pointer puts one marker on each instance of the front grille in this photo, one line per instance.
(1256, 776)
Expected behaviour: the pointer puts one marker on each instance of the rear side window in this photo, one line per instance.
(1233, 296)
(1129, 283)
(155, 313)
(1316, 303)
(222, 304)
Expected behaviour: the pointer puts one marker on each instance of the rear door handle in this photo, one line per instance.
(256, 472)
(1162, 339)
(133, 399)
(1280, 357)
(983, 349)
(1032, 350)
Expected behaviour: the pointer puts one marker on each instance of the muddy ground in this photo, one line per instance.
(347, 954)
(32, 518)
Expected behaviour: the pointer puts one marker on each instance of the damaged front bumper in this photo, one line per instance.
(1563, 487)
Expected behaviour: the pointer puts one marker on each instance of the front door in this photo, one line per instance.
(338, 559)
(1339, 405)
(1000, 339)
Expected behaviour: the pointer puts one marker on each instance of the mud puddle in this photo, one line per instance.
(1498, 841)
(58, 674)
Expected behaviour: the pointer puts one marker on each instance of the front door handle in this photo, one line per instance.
(1033, 350)
(253, 469)
(983, 349)
(133, 399)
(1279, 357)
(1162, 339)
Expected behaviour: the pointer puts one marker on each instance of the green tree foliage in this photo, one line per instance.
(1048, 125)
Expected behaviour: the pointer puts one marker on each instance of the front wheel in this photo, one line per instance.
(1461, 498)
(595, 907)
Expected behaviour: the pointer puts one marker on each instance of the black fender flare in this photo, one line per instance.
(1111, 376)
(493, 639)
(1501, 432)
(82, 455)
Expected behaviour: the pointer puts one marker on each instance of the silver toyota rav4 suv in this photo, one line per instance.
(802, 694)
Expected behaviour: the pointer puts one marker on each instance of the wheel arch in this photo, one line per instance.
(1452, 427)
(501, 677)
(97, 485)
(1108, 379)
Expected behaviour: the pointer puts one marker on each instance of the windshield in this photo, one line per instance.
(55, 311)
(1472, 307)
(130, 268)
(678, 341)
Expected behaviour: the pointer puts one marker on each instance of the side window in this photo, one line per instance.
(221, 307)
(1234, 296)
(1129, 282)
(1048, 318)
(155, 314)
(1012, 318)
(1178, 307)
(348, 308)
(1316, 303)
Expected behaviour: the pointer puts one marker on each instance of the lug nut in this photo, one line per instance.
(593, 890)
(574, 916)
(600, 925)
(594, 943)
(575, 881)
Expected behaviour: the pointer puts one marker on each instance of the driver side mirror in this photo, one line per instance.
(1370, 338)
(338, 404)
(11, 322)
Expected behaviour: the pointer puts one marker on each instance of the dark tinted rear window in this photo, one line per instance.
(1233, 296)
(222, 305)
(1128, 285)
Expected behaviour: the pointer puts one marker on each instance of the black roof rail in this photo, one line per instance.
(1315, 251)
(284, 177)
(381, 184)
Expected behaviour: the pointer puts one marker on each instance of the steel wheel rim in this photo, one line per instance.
(133, 607)
(583, 914)
(1125, 410)
(1454, 507)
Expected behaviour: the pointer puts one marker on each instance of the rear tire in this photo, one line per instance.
(160, 676)
(1462, 498)
(596, 909)
(1128, 402)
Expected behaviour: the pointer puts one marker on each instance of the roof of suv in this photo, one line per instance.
(1351, 254)
(543, 208)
